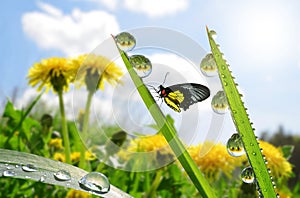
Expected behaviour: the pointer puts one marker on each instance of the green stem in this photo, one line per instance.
(155, 184)
(85, 128)
(64, 128)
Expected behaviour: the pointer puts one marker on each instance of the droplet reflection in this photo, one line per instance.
(141, 65)
(125, 41)
(248, 175)
(95, 182)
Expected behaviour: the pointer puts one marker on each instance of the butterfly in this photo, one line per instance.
(183, 95)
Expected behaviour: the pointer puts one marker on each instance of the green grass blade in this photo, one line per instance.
(242, 122)
(169, 133)
(13, 161)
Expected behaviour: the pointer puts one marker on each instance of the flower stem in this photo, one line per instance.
(85, 128)
(64, 128)
(155, 184)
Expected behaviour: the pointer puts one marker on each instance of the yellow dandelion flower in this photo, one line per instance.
(55, 73)
(217, 160)
(56, 143)
(78, 194)
(150, 143)
(147, 144)
(90, 156)
(75, 156)
(95, 70)
(59, 157)
(278, 165)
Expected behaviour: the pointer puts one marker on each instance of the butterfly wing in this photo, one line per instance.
(184, 95)
(173, 100)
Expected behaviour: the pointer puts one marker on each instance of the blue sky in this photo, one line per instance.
(260, 41)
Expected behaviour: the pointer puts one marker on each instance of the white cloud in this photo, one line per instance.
(79, 32)
(156, 8)
(111, 4)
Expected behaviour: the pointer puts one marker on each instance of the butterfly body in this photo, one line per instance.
(183, 95)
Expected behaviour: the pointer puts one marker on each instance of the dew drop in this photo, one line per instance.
(208, 66)
(235, 146)
(125, 41)
(29, 168)
(212, 32)
(95, 182)
(219, 103)
(141, 65)
(42, 179)
(9, 173)
(248, 175)
(254, 153)
(62, 175)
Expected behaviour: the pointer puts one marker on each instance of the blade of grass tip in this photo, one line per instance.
(169, 132)
(242, 122)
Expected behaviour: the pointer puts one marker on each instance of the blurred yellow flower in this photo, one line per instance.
(217, 160)
(90, 156)
(278, 165)
(55, 73)
(59, 157)
(150, 143)
(75, 156)
(95, 70)
(56, 143)
(78, 194)
(147, 144)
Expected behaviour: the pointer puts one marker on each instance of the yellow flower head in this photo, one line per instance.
(56, 143)
(217, 160)
(90, 156)
(54, 73)
(147, 144)
(278, 165)
(95, 70)
(78, 194)
(75, 156)
(59, 157)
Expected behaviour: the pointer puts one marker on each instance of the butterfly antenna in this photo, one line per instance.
(165, 77)
(151, 87)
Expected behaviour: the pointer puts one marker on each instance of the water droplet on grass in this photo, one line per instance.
(248, 175)
(141, 65)
(219, 103)
(208, 65)
(62, 175)
(42, 179)
(29, 168)
(235, 146)
(125, 41)
(9, 173)
(95, 182)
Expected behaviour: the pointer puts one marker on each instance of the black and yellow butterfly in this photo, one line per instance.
(183, 95)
